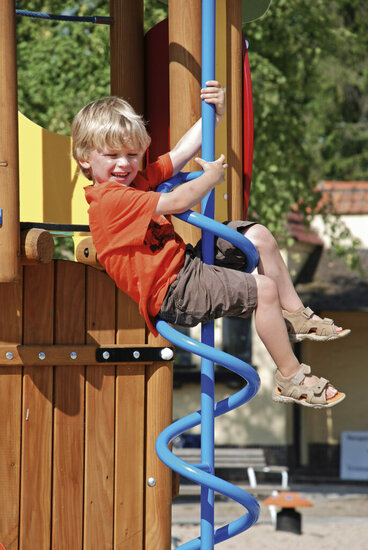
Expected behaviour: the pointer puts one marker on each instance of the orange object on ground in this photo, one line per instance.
(287, 500)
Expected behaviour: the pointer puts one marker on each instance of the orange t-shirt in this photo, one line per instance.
(140, 251)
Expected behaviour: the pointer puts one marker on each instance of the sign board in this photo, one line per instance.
(354, 455)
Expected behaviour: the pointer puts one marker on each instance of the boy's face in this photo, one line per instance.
(119, 166)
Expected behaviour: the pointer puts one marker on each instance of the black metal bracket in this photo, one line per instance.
(134, 354)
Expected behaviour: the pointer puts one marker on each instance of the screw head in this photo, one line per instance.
(73, 355)
(9, 355)
(136, 354)
(42, 355)
(167, 354)
(151, 482)
(106, 355)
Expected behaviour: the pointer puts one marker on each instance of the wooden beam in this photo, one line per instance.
(11, 317)
(234, 108)
(185, 17)
(37, 247)
(126, 52)
(9, 170)
(159, 381)
(86, 253)
(37, 394)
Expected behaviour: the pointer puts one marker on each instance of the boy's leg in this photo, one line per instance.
(272, 330)
(273, 266)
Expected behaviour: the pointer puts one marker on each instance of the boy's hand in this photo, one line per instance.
(215, 168)
(215, 94)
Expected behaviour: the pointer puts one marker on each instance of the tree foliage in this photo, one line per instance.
(309, 75)
(309, 78)
(61, 65)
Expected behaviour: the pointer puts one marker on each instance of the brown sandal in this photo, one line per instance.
(290, 389)
(301, 326)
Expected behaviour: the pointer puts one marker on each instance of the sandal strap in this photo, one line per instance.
(307, 312)
(300, 375)
(292, 386)
(301, 322)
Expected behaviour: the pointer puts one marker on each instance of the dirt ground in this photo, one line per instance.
(337, 519)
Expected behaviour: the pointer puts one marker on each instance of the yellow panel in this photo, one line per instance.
(50, 189)
(30, 171)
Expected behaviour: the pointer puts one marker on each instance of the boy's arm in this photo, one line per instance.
(188, 194)
(190, 143)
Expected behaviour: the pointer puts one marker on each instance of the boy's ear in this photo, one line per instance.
(84, 164)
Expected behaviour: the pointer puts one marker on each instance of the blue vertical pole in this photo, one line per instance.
(208, 209)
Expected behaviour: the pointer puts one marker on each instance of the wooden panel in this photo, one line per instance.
(67, 514)
(129, 438)
(100, 417)
(126, 52)
(159, 415)
(10, 428)
(185, 18)
(35, 510)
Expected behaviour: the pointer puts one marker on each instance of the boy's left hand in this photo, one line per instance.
(215, 94)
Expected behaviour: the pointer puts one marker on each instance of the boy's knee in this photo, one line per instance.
(261, 237)
(267, 288)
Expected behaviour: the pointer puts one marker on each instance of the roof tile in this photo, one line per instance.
(344, 197)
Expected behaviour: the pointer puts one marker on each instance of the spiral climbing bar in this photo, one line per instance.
(204, 473)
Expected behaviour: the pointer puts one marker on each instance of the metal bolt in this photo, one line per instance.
(42, 355)
(151, 482)
(167, 354)
(73, 355)
(9, 355)
(86, 252)
(136, 354)
(106, 355)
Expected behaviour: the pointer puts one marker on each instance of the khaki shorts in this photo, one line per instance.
(202, 293)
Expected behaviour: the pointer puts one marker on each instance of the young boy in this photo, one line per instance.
(136, 243)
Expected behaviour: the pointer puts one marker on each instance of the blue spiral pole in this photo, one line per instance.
(204, 473)
(207, 331)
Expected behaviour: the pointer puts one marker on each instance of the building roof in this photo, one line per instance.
(345, 197)
(326, 282)
(334, 286)
(300, 232)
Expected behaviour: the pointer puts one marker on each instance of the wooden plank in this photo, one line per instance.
(100, 417)
(185, 17)
(129, 437)
(68, 471)
(234, 109)
(35, 508)
(127, 52)
(10, 425)
(159, 392)
(9, 170)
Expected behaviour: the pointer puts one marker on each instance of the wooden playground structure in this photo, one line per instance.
(84, 391)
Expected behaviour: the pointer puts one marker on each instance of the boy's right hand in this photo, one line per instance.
(216, 168)
(190, 193)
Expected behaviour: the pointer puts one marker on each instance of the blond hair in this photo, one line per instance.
(108, 123)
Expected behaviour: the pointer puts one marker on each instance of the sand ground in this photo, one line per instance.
(338, 519)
